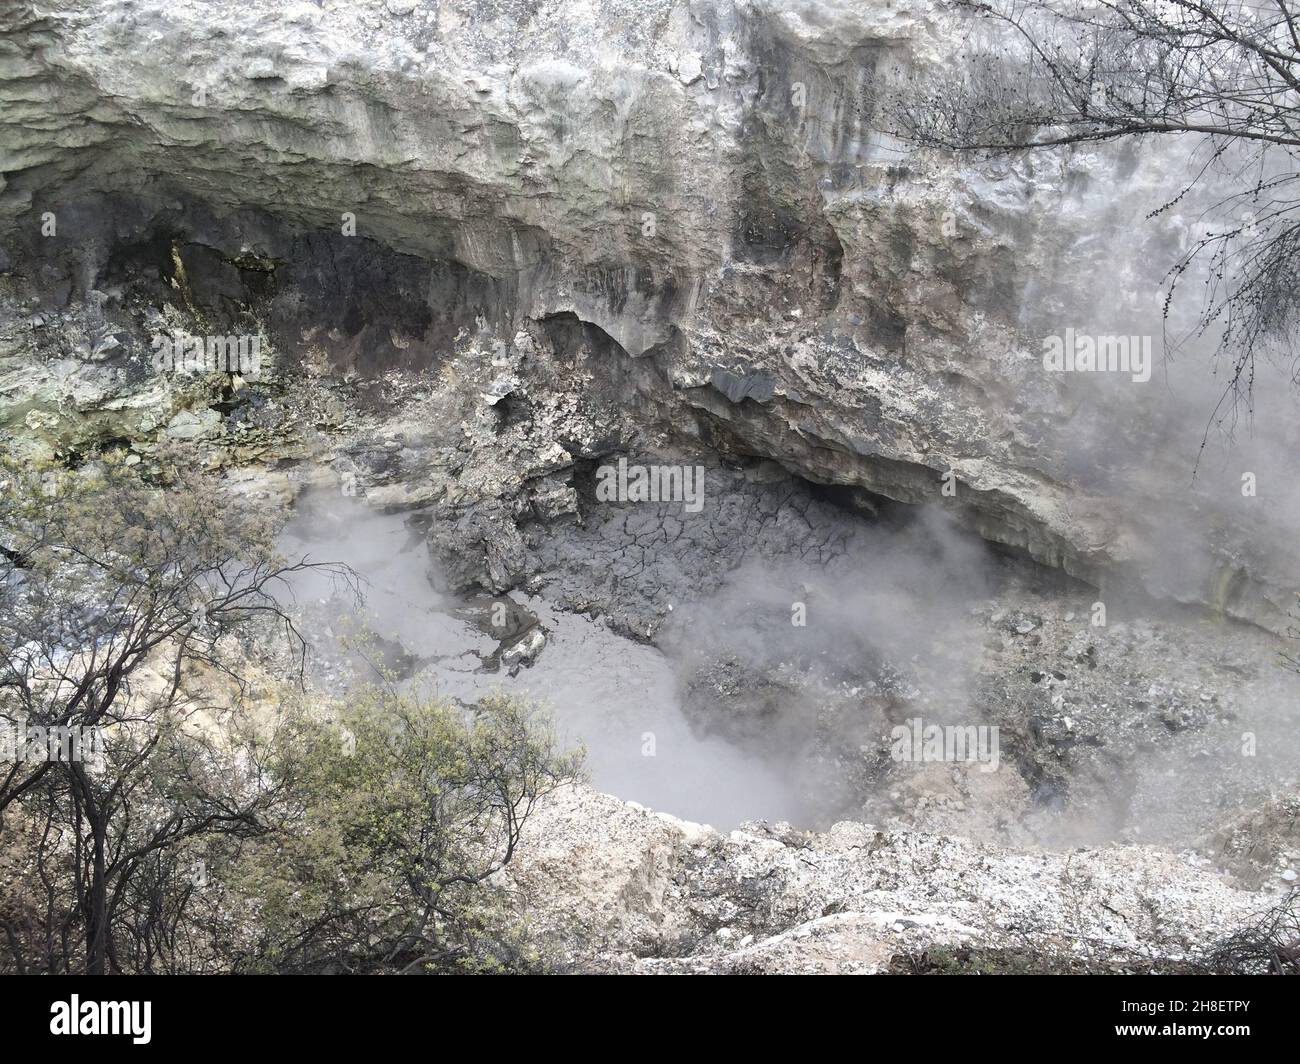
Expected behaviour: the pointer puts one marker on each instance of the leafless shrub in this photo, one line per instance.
(1068, 72)
(1268, 945)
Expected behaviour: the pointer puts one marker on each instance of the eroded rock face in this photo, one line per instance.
(697, 193)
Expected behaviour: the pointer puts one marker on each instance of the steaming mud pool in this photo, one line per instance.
(733, 713)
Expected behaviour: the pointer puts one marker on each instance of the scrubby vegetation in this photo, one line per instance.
(202, 824)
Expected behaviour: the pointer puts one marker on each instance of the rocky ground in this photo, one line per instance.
(635, 890)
